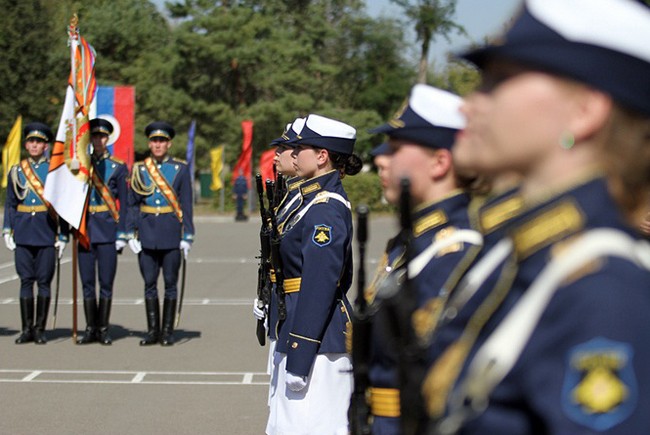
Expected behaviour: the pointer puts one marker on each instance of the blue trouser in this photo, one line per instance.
(386, 426)
(35, 264)
(151, 261)
(104, 256)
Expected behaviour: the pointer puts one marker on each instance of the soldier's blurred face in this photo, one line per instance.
(99, 140)
(382, 162)
(35, 147)
(412, 161)
(159, 147)
(284, 161)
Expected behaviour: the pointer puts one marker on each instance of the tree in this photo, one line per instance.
(431, 18)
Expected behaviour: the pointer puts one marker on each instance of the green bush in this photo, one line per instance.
(365, 188)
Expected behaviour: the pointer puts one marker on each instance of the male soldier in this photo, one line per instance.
(106, 223)
(240, 194)
(159, 227)
(420, 138)
(30, 229)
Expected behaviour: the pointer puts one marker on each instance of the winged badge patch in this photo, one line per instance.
(322, 235)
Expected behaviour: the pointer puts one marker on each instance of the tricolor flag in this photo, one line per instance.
(116, 104)
(246, 156)
(67, 183)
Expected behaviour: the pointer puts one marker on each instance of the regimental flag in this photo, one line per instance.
(246, 156)
(266, 165)
(216, 163)
(189, 153)
(11, 151)
(67, 183)
(116, 104)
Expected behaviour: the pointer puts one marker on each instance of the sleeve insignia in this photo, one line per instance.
(322, 235)
(600, 388)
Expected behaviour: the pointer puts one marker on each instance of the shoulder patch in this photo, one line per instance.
(600, 388)
(445, 233)
(322, 235)
(116, 160)
(321, 197)
(177, 160)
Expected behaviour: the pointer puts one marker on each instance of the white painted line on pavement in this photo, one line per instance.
(140, 301)
(138, 377)
(241, 378)
(30, 377)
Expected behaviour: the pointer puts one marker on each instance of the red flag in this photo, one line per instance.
(266, 165)
(246, 156)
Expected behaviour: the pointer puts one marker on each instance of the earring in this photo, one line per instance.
(567, 140)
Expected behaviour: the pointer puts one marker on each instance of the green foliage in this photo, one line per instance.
(216, 62)
(365, 188)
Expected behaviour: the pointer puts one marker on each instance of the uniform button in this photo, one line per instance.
(157, 190)
(33, 200)
(157, 201)
(113, 165)
(35, 166)
(294, 345)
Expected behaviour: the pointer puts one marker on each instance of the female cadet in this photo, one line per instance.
(420, 140)
(560, 344)
(311, 382)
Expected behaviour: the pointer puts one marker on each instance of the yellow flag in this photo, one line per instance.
(216, 163)
(11, 151)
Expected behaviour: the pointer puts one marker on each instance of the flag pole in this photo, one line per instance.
(74, 164)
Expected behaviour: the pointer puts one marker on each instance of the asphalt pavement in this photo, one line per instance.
(212, 381)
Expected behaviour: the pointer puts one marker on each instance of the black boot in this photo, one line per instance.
(153, 322)
(169, 316)
(90, 309)
(104, 314)
(27, 318)
(42, 307)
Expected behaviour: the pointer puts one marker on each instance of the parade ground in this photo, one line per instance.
(212, 381)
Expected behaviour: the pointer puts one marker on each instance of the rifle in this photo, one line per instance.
(359, 410)
(412, 413)
(276, 260)
(280, 190)
(264, 268)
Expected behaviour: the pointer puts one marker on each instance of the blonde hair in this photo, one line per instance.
(626, 146)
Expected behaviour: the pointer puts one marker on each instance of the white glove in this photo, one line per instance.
(9, 242)
(185, 247)
(135, 246)
(296, 383)
(60, 246)
(120, 244)
(259, 313)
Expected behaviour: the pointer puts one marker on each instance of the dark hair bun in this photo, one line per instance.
(353, 164)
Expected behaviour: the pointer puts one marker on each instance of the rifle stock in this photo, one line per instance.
(412, 412)
(276, 259)
(264, 268)
(359, 411)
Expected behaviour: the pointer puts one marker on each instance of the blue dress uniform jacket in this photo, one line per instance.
(431, 222)
(286, 207)
(25, 213)
(317, 261)
(151, 218)
(585, 368)
(493, 218)
(101, 225)
(33, 229)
